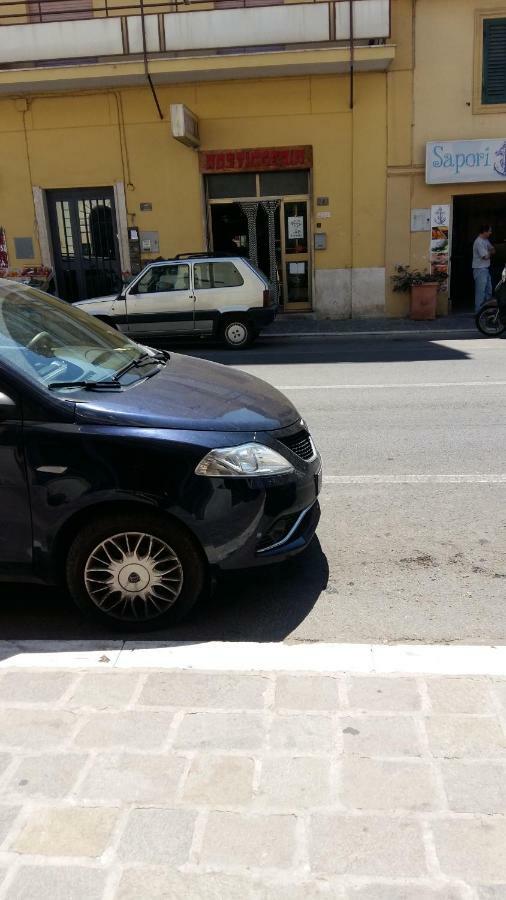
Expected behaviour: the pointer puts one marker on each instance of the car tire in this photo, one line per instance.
(114, 571)
(237, 333)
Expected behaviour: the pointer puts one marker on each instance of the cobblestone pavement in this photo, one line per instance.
(178, 784)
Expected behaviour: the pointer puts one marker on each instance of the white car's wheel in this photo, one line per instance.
(237, 333)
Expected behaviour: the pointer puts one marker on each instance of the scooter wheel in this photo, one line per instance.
(489, 323)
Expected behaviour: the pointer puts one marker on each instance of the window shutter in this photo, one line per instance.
(494, 61)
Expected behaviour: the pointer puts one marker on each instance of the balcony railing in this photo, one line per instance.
(54, 31)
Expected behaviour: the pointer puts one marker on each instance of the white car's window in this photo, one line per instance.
(216, 275)
(161, 279)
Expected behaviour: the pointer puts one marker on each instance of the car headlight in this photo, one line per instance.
(247, 460)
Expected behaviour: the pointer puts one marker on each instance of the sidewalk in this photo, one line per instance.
(141, 784)
(308, 325)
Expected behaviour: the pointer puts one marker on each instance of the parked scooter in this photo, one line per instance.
(491, 317)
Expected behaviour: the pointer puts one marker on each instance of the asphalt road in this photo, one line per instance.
(411, 546)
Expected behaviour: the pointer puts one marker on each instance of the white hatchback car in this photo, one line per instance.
(199, 296)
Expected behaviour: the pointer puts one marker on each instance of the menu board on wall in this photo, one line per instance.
(439, 241)
(4, 255)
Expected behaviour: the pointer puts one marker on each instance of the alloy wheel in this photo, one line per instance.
(133, 576)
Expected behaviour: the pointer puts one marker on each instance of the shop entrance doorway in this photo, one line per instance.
(469, 213)
(271, 230)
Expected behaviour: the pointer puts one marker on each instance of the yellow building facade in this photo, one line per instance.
(442, 104)
(341, 115)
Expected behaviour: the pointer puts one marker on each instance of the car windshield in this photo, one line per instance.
(52, 342)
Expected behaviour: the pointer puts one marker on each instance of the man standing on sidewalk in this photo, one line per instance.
(482, 253)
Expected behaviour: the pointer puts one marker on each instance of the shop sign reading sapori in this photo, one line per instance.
(460, 161)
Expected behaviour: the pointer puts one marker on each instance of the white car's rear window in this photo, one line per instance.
(218, 274)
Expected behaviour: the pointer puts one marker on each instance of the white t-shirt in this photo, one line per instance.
(481, 248)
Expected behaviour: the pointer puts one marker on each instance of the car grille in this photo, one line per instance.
(300, 444)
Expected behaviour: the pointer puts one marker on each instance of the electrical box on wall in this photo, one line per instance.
(320, 241)
(23, 247)
(150, 242)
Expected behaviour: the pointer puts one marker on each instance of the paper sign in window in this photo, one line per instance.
(295, 227)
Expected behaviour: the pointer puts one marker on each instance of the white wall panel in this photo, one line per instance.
(247, 27)
(60, 40)
(371, 19)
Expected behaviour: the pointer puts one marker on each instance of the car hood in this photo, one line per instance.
(191, 394)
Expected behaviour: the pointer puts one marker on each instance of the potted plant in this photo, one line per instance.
(423, 287)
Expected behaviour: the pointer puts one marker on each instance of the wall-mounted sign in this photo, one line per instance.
(322, 201)
(440, 240)
(448, 162)
(420, 220)
(184, 124)
(261, 159)
(146, 207)
(440, 215)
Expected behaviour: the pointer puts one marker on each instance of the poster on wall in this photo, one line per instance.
(4, 255)
(440, 241)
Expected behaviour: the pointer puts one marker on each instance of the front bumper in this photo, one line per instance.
(244, 522)
(298, 537)
(275, 518)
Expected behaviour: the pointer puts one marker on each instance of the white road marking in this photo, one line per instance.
(416, 384)
(415, 479)
(224, 656)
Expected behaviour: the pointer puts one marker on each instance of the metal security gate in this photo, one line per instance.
(85, 242)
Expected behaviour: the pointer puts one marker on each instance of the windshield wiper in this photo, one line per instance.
(159, 358)
(86, 385)
(142, 360)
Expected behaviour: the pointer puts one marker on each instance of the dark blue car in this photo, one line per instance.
(133, 475)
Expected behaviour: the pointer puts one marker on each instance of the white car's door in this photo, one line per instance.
(161, 301)
(219, 286)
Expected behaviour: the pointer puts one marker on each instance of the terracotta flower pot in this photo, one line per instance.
(423, 301)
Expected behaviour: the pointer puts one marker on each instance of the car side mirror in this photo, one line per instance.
(7, 407)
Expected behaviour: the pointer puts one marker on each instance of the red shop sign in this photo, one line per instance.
(259, 159)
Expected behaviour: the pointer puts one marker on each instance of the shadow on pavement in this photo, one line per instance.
(258, 605)
(328, 350)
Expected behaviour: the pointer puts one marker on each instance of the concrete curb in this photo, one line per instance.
(223, 656)
(396, 333)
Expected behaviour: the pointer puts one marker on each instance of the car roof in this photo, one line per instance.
(195, 259)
